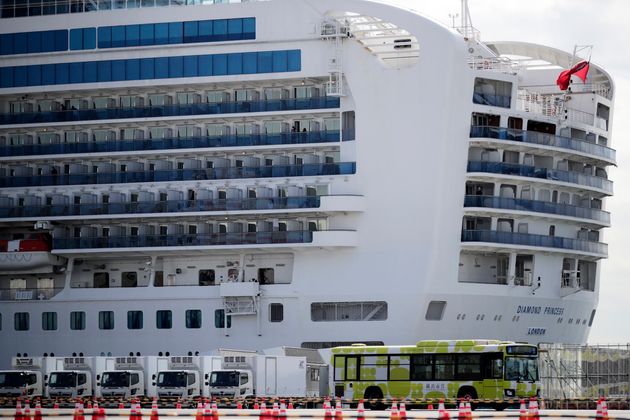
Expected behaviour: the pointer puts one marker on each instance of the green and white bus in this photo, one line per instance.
(477, 369)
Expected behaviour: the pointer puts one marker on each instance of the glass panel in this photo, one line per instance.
(132, 35)
(146, 34)
(105, 37)
(191, 31)
(161, 33)
(175, 33)
(118, 36)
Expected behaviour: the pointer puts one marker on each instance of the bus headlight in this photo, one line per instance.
(509, 392)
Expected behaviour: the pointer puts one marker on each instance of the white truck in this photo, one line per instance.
(123, 377)
(282, 371)
(70, 377)
(184, 376)
(25, 378)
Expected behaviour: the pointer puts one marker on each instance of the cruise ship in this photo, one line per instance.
(180, 176)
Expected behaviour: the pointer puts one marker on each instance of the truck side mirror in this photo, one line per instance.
(153, 382)
(207, 383)
(153, 377)
(98, 378)
(98, 384)
(206, 376)
(45, 377)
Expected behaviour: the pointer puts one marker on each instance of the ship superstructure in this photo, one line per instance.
(182, 177)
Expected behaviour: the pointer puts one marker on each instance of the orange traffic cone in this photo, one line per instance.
(533, 409)
(81, 411)
(18, 410)
(154, 410)
(523, 411)
(215, 411)
(178, 405)
(604, 409)
(96, 412)
(27, 410)
(598, 412)
(328, 412)
(256, 406)
(206, 413)
(393, 414)
(199, 415)
(56, 405)
(442, 413)
(276, 410)
(121, 405)
(38, 411)
(360, 410)
(290, 407)
(468, 410)
(430, 407)
(338, 410)
(461, 414)
(542, 403)
(402, 411)
(283, 409)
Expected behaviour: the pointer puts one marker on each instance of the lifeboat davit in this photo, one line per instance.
(27, 254)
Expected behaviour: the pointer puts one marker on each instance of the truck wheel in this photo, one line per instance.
(374, 398)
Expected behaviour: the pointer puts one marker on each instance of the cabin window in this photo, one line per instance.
(129, 279)
(266, 276)
(435, 310)
(77, 321)
(106, 320)
(492, 92)
(159, 279)
(276, 312)
(101, 280)
(49, 321)
(135, 379)
(206, 278)
(81, 379)
(134, 320)
(219, 319)
(21, 321)
(164, 320)
(193, 318)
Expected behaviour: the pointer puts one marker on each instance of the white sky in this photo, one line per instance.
(562, 24)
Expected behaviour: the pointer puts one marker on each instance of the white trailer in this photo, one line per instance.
(26, 377)
(184, 376)
(71, 377)
(123, 377)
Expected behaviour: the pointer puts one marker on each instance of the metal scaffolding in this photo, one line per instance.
(574, 371)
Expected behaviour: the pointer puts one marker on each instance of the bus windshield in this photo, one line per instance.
(62, 380)
(521, 369)
(172, 379)
(115, 379)
(224, 379)
(16, 379)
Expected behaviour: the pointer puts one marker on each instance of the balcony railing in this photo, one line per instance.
(528, 239)
(502, 101)
(246, 140)
(542, 173)
(29, 294)
(543, 139)
(170, 206)
(185, 240)
(320, 102)
(275, 171)
(536, 206)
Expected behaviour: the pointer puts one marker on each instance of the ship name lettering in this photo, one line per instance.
(536, 331)
(526, 309)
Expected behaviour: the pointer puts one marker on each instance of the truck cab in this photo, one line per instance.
(122, 383)
(231, 383)
(178, 383)
(70, 383)
(14, 383)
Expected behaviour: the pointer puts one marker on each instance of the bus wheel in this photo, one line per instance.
(374, 398)
(468, 393)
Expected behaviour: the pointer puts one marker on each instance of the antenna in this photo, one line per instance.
(467, 28)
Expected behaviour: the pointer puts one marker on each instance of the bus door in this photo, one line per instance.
(351, 375)
(492, 373)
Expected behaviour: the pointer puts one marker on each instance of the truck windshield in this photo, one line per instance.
(62, 379)
(224, 379)
(16, 379)
(115, 379)
(521, 369)
(172, 379)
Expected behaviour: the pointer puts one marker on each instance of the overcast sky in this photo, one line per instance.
(562, 24)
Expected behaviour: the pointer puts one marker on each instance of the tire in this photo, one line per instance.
(374, 393)
(468, 393)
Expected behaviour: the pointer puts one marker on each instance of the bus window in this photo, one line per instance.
(493, 366)
(444, 367)
(469, 367)
(421, 367)
(375, 368)
(352, 368)
(399, 368)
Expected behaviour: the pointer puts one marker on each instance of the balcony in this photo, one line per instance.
(275, 171)
(250, 140)
(484, 201)
(533, 137)
(322, 203)
(531, 240)
(321, 102)
(29, 294)
(541, 173)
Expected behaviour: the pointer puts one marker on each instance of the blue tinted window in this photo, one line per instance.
(175, 66)
(250, 63)
(61, 40)
(90, 72)
(89, 38)
(205, 30)
(35, 75)
(235, 63)
(219, 30)
(104, 70)
(161, 68)
(235, 29)
(6, 77)
(146, 68)
(205, 65)
(76, 72)
(48, 74)
(191, 32)
(20, 43)
(61, 73)
(161, 33)
(249, 28)
(265, 62)
(132, 34)
(6, 44)
(118, 36)
(190, 66)
(20, 76)
(34, 42)
(48, 41)
(219, 64)
(76, 39)
(175, 33)
(146, 34)
(118, 70)
(105, 37)
(279, 61)
(133, 69)
(294, 60)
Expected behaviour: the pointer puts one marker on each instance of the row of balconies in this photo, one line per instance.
(135, 173)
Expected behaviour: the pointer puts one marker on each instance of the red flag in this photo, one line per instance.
(580, 70)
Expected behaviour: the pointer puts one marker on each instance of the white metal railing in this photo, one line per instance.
(525, 280)
(502, 65)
